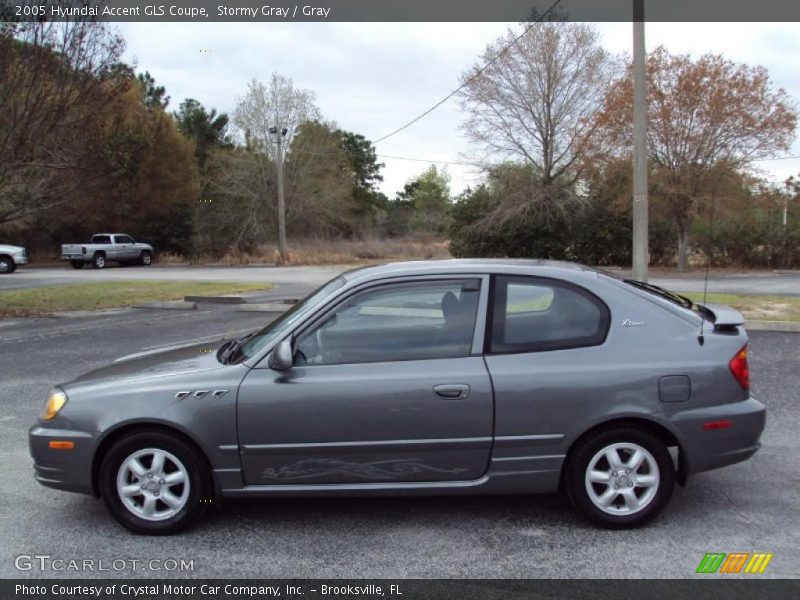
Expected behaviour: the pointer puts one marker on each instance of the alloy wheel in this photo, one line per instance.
(153, 484)
(622, 479)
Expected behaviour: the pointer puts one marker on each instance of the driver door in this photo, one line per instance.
(389, 385)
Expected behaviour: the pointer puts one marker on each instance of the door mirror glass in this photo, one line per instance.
(282, 358)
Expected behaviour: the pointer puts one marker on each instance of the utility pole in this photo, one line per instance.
(641, 250)
(279, 134)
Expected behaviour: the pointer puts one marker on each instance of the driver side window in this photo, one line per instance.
(412, 321)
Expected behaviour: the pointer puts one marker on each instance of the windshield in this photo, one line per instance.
(279, 326)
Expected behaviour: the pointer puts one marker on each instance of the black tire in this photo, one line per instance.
(145, 259)
(76, 264)
(583, 454)
(201, 487)
(7, 265)
(99, 261)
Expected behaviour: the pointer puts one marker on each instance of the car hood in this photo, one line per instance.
(9, 248)
(178, 360)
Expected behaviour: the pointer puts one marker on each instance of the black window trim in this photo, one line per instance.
(390, 283)
(549, 346)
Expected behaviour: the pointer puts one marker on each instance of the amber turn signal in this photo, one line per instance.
(62, 445)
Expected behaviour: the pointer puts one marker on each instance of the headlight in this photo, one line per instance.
(55, 402)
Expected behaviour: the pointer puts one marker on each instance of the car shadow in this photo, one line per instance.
(378, 512)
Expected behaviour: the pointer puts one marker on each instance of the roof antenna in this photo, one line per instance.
(709, 247)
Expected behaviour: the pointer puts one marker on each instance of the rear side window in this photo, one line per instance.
(101, 239)
(532, 314)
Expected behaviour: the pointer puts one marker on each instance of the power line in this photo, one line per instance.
(435, 161)
(472, 77)
(444, 161)
(777, 158)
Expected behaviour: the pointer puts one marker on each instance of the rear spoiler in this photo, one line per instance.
(723, 317)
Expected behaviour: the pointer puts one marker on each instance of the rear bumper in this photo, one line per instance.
(704, 450)
(69, 470)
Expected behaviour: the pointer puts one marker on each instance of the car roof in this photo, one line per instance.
(471, 265)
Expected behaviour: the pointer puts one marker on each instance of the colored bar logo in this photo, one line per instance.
(735, 562)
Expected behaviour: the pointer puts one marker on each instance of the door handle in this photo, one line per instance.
(456, 391)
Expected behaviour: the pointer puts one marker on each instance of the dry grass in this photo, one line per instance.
(765, 308)
(50, 299)
(331, 252)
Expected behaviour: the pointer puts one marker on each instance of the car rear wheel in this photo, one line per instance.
(99, 261)
(7, 265)
(155, 483)
(620, 478)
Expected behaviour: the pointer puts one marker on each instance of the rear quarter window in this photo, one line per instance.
(532, 314)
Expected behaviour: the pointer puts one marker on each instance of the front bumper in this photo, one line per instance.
(704, 450)
(69, 470)
(20, 260)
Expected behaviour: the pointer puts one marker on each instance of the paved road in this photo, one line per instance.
(35, 277)
(752, 506)
(782, 284)
(752, 283)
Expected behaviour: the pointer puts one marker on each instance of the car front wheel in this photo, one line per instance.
(7, 265)
(620, 478)
(154, 483)
(145, 259)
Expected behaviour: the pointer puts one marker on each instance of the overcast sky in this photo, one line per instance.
(371, 78)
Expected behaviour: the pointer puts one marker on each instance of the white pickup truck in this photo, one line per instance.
(11, 257)
(104, 247)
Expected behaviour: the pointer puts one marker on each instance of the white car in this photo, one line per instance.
(11, 257)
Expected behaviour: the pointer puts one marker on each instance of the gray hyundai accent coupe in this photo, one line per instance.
(450, 377)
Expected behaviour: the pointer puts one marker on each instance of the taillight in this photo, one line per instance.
(738, 366)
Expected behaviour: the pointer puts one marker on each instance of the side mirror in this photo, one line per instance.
(282, 358)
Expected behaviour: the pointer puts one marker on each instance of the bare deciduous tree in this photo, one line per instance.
(239, 211)
(706, 116)
(535, 103)
(238, 203)
(264, 112)
(54, 79)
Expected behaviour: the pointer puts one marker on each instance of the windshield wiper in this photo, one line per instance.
(659, 291)
(227, 350)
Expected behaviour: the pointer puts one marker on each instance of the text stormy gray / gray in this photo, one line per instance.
(281, 12)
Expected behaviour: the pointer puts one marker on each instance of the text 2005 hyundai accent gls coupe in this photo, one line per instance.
(452, 377)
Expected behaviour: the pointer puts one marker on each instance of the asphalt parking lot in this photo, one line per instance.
(752, 506)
